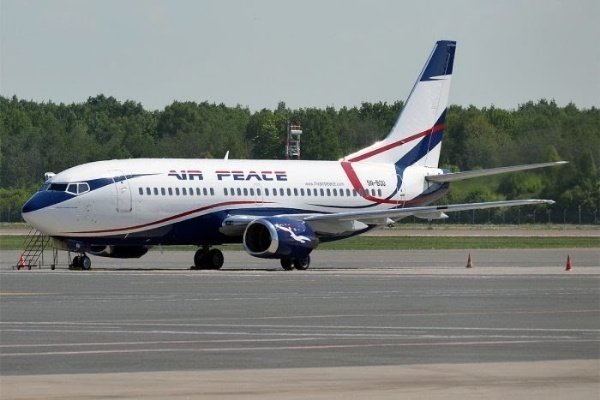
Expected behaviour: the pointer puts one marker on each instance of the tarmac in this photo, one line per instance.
(358, 324)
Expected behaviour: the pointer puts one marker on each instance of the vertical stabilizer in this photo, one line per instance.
(416, 138)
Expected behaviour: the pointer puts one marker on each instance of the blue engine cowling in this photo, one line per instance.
(277, 237)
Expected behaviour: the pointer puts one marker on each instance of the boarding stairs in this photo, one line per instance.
(34, 246)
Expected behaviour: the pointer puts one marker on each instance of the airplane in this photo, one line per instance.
(279, 209)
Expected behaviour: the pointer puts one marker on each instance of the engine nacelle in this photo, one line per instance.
(276, 237)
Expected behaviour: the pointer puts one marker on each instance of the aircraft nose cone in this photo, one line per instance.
(29, 206)
(36, 202)
(38, 211)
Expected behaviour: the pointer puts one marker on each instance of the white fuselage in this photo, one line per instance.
(129, 197)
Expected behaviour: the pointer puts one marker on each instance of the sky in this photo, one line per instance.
(308, 53)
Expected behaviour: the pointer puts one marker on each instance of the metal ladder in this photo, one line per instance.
(33, 250)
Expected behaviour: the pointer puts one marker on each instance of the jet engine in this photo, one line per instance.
(277, 237)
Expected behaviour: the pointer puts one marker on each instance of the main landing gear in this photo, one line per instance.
(81, 261)
(207, 258)
(300, 263)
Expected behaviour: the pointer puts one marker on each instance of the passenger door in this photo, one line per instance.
(124, 203)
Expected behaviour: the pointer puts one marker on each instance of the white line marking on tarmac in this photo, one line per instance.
(282, 326)
(310, 347)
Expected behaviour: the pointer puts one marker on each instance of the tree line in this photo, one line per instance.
(38, 137)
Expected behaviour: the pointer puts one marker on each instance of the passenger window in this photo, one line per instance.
(212, 191)
(162, 191)
(379, 192)
(289, 192)
(170, 191)
(239, 191)
(258, 191)
(197, 191)
(251, 192)
(225, 191)
(266, 192)
(205, 192)
(274, 192)
(334, 192)
(347, 192)
(281, 193)
(156, 191)
(177, 191)
(302, 192)
(295, 192)
(184, 191)
(140, 190)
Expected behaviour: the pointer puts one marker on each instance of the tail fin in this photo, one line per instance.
(416, 138)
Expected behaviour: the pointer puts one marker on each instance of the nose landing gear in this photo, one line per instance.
(81, 262)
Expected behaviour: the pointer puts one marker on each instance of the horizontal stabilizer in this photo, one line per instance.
(459, 176)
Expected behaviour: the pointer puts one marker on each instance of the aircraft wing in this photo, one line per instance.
(459, 176)
(344, 222)
(427, 212)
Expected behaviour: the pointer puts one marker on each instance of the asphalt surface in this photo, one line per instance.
(370, 309)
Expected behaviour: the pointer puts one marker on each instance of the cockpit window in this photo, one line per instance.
(78, 188)
(82, 188)
(58, 187)
(44, 187)
(72, 188)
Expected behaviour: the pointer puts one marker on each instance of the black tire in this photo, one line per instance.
(287, 264)
(76, 263)
(200, 258)
(85, 263)
(215, 259)
(302, 264)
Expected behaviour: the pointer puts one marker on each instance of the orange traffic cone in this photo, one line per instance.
(21, 263)
(469, 263)
(568, 267)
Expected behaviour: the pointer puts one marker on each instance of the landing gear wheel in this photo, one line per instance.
(85, 263)
(200, 258)
(214, 259)
(76, 262)
(287, 264)
(208, 259)
(302, 263)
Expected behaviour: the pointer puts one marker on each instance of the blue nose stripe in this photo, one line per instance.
(45, 199)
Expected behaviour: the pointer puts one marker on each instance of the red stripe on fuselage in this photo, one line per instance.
(226, 203)
(355, 181)
(436, 128)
